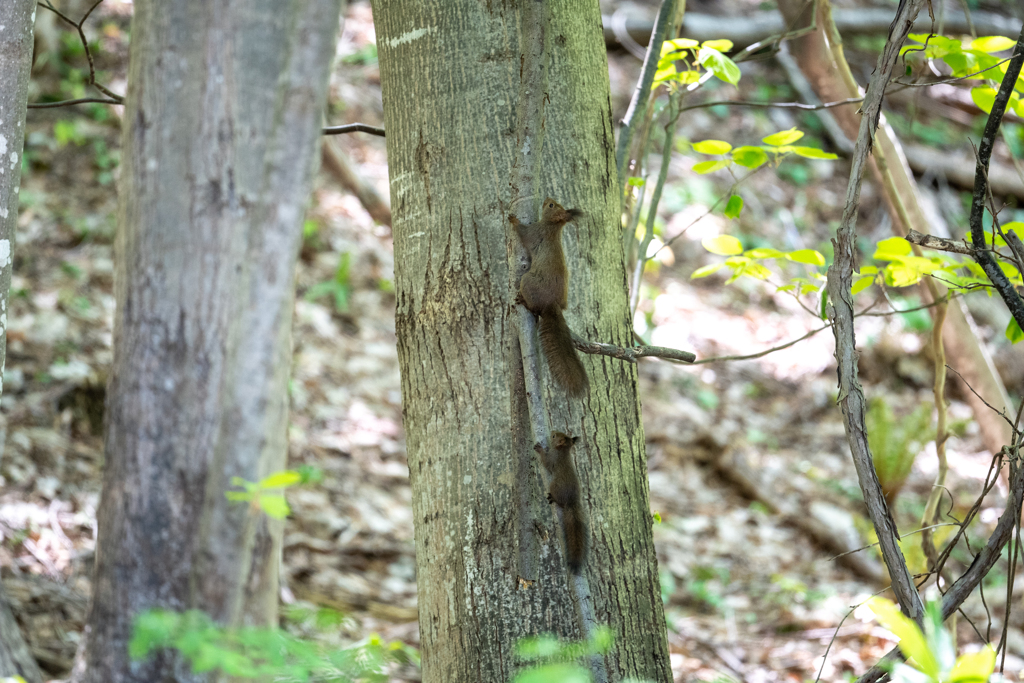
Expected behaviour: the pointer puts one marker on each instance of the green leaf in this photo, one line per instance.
(275, 506)
(891, 249)
(723, 245)
(783, 137)
(734, 206)
(706, 270)
(984, 97)
(861, 284)
(281, 479)
(749, 157)
(869, 270)
(909, 270)
(721, 44)
(237, 496)
(678, 44)
(1013, 332)
(662, 75)
(720, 65)
(814, 153)
(993, 43)
(754, 270)
(563, 673)
(763, 252)
(712, 147)
(636, 182)
(810, 256)
(975, 667)
(912, 641)
(710, 166)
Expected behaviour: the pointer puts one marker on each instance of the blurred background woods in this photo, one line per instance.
(748, 461)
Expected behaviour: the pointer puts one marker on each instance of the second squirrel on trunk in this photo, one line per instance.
(544, 290)
(565, 493)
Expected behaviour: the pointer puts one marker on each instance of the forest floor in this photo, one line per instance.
(741, 454)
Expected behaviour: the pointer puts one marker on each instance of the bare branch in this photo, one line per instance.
(841, 313)
(631, 353)
(638, 104)
(353, 128)
(1002, 284)
(938, 243)
(68, 103)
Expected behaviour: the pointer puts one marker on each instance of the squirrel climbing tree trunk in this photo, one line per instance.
(489, 565)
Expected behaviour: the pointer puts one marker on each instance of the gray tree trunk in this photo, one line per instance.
(221, 132)
(16, 17)
(489, 566)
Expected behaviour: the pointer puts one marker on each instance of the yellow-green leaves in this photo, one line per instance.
(749, 157)
(784, 137)
(975, 667)
(1013, 331)
(712, 147)
(258, 495)
(723, 245)
(777, 145)
(993, 43)
(718, 64)
(748, 262)
(693, 55)
(912, 641)
(932, 653)
(733, 207)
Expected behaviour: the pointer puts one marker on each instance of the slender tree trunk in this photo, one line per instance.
(17, 18)
(221, 132)
(489, 566)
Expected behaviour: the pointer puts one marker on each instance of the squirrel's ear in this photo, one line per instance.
(575, 439)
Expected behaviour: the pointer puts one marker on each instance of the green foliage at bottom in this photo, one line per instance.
(263, 652)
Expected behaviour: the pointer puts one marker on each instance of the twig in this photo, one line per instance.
(118, 99)
(652, 210)
(631, 353)
(719, 359)
(991, 407)
(352, 128)
(841, 313)
(68, 103)
(774, 105)
(642, 94)
(939, 243)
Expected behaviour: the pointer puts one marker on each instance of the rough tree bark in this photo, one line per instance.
(221, 133)
(16, 20)
(450, 78)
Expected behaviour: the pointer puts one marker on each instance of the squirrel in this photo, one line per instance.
(565, 493)
(544, 290)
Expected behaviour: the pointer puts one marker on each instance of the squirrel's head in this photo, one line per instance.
(562, 440)
(553, 212)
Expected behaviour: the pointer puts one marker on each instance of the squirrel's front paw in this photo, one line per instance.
(537, 447)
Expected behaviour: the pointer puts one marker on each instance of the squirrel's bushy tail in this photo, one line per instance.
(556, 340)
(576, 537)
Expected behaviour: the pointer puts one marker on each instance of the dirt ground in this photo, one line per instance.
(739, 452)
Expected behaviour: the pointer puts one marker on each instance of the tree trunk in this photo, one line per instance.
(221, 131)
(489, 566)
(15, 64)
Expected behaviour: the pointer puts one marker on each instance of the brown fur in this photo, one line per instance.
(544, 289)
(565, 493)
